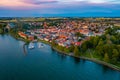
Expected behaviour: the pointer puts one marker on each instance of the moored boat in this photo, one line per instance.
(31, 46)
(40, 45)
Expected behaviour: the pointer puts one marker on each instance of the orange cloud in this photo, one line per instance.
(14, 3)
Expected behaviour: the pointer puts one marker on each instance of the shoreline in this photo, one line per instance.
(114, 67)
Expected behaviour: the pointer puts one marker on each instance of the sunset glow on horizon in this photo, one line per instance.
(59, 8)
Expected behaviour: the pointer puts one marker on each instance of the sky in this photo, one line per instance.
(58, 8)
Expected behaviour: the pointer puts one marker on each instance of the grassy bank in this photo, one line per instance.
(91, 59)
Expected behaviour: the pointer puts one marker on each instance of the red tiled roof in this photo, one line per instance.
(22, 34)
(78, 43)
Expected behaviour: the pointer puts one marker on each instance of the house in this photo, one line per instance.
(85, 33)
(85, 27)
(46, 39)
(90, 33)
(31, 38)
(98, 34)
(77, 43)
(32, 33)
(61, 44)
(21, 34)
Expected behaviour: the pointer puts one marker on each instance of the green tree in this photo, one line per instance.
(53, 43)
(115, 53)
(67, 50)
(61, 48)
(71, 48)
(113, 39)
(115, 56)
(35, 37)
(118, 48)
(100, 51)
(78, 34)
(99, 48)
(1, 31)
(107, 48)
(101, 42)
(106, 57)
(84, 47)
(95, 41)
(76, 51)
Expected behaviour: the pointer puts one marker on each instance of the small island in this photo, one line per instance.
(95, 39)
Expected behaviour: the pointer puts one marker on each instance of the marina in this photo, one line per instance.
(31, 46)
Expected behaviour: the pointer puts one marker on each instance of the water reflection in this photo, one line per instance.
(25, 49)
(46, 64)
(76, 60)
(62, 56)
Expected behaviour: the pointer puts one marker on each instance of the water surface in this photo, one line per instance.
(46, 64)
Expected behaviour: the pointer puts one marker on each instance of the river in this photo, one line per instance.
(46, 64)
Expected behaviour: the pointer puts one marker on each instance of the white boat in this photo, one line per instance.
(31, 46)
(40, 45)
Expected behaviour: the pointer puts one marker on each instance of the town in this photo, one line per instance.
(60, 40)
(65, 33)
(96, 39)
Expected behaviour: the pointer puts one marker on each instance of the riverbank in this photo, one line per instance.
(82, 57)
(114, 67)
(90, 59)
(36, 62)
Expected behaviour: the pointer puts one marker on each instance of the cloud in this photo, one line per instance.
(33, 3)
(25, 3)
(67, 7)
(13, 3)
(92, 1)
(39, 1)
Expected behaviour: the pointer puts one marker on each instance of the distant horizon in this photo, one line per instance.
(65, 15)
(59, 17)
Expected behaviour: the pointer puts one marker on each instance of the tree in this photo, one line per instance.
(90, 43)
(115, 56)
(115, 53)
(76, 51)
(95, 41)
(113, 39)
(100, 51)
(99, 48)
(61, 48)
(109, 41)
(118, 48)
(107, 48)
(84, 46)
(71, 48)
(107, 36)
(66, 50)
(35, 37)
(53, 43)
(101, 42)
(106, 57)
(78, 34)
(1, 31)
